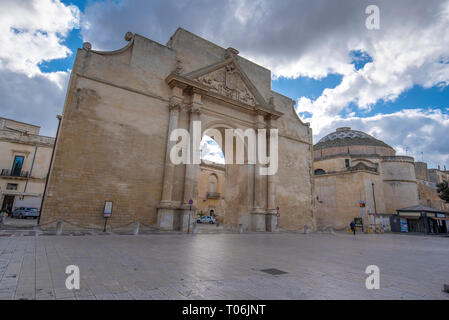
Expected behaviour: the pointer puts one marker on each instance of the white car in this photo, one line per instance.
(206, 219)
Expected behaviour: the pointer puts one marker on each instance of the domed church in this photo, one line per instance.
(360, 177)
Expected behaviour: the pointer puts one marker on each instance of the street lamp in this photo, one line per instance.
(375, 208)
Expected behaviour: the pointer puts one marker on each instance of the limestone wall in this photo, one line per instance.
(113, 138)
(428, 196)
(111, 144)
(294, 187)
(9, 124)
(338, 197)
(421, 171)
(438, 176)
(399, 183)
(353, 150)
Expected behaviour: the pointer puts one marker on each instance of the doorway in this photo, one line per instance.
(8, 202)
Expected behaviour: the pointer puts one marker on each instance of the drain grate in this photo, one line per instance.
(273, 271)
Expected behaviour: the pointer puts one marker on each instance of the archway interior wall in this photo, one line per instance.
(239, 187)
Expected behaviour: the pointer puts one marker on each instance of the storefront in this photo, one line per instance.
(423, 219)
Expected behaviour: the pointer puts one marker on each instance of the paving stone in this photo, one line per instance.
(223, 266)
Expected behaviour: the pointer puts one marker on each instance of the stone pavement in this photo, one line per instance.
(223, 266)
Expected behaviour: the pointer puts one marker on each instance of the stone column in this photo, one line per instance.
(271, 218)
(166, 208)
(258, 222)
(169, 168)
(192, 168)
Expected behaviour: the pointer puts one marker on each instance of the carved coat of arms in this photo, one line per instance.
(228, 82)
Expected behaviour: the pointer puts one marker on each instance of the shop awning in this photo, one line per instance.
(421, 208)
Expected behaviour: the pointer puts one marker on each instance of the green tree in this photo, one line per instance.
(443, 191)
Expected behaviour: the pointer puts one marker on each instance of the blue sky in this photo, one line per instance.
(392, 83)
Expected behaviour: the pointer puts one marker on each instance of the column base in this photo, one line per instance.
(258, 223)
(271, 221)
(166, 219)
(172, 216)
(186, 224)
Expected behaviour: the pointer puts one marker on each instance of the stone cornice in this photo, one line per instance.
(345, 172)
(193, 86)
(399, 180)
(29, 139)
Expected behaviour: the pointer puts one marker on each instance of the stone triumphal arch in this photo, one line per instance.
(114, 138)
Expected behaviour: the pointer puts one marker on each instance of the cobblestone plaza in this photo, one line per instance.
(222, 266)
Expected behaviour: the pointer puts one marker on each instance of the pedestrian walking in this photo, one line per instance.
(352, 225)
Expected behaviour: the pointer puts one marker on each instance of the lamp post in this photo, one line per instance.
(190, 212)
(375, 208)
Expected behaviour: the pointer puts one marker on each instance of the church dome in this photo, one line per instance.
(345, 136)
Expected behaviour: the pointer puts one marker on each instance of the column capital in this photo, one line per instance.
(194, 108)
(175, 103)
(260, 121)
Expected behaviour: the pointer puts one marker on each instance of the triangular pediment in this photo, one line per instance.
(227, 78)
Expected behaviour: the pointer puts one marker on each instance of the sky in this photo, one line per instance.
(391, 83)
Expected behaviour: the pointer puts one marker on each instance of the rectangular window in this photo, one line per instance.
(11, 186)
(17, 166)
(347, 163)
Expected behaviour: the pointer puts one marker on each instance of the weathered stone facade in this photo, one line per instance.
(23, 186)
(352, 167)
(113, 141)
(427, 186)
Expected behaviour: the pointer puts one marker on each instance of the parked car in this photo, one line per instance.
(23, 212)
(206, 219)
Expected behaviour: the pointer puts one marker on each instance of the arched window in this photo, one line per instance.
(213, 181)
(319, 172)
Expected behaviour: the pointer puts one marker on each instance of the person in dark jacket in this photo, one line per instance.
(352, 225)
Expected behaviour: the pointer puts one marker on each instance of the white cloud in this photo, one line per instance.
(405, 53)
(35, 100)
(32, 32)
(313, 39)
(416, 132)
(211, 151)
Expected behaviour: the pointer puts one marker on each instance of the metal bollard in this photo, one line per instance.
(194, 228)
(136, 228)
(58, 228)
(240, 228)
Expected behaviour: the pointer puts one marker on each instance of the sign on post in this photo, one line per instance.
(107, 211)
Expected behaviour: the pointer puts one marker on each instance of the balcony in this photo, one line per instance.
(213, 195)
(14, 174)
